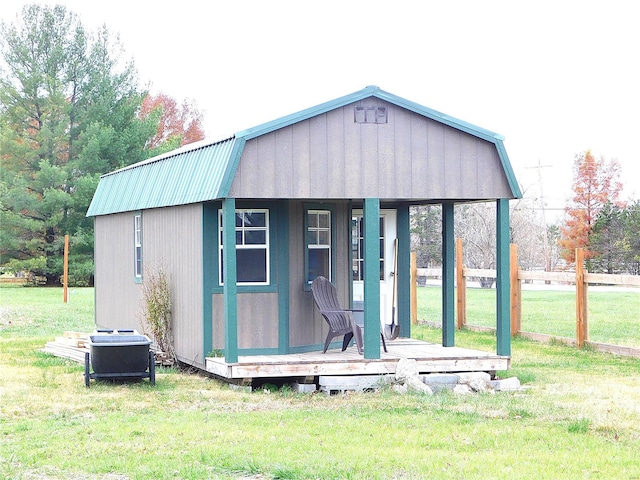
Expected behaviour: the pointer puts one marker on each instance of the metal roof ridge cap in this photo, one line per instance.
(418, 108)
(291, 118)
(172, 153)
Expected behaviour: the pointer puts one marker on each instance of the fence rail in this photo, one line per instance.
(580, 278)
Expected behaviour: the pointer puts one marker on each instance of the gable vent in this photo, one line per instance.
(369, 114)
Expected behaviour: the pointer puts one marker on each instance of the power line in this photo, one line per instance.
(547, 255)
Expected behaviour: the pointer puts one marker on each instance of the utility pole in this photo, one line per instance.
(547, 256)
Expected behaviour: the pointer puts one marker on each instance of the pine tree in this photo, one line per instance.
(68, 114)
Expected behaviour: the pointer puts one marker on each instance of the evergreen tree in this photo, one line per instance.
(68, 111)
(632, 234)
(426, 235)
(607, 241)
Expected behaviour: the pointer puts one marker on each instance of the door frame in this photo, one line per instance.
(390, 233)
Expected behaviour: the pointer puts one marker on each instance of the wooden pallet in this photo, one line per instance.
(65, 350)
(74, 345)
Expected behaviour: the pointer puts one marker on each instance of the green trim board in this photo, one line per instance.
(448, 276)
(272, 288)
(230, 287)
(508, 169)
(256, 351)
(231, 167)
(403, 275)
(317, 347)
(209, 271)
(276, 351)
(282, 274)
(371, 214)
(503, 280)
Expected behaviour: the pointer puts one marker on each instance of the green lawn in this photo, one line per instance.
(578, 418)
(40, 312)
(614, 317)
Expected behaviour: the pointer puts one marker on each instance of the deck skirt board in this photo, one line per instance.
(429, 357)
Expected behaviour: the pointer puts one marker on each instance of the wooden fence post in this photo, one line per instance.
(461, 289)
(414, 288)
(581, 299)
(516, 292)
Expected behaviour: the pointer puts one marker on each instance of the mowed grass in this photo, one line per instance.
(613, 317)
(41, 312)
(578, 418)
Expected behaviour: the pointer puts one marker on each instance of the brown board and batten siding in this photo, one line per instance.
(257, 320)
(117, 296)
(304, 326)
(330, 156)
(171, 239)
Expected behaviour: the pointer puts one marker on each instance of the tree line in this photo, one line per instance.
(595, 219)
(71, 109)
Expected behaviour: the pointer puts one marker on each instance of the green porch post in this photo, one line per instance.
(230, 280)
(371, 216)
(282, 213)
(448, 276)
(403, 278)
(503, 310)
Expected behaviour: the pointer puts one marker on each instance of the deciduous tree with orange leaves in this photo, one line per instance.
(596, 182)
(178, 124)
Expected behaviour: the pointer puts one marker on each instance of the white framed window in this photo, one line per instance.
(252, 247)
(318, 242)
(137, 246)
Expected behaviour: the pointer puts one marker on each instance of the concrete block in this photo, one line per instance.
(506, 384)
(440, 381)
(341, 383)
(303, 387)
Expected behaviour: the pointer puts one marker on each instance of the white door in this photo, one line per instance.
(388, 234)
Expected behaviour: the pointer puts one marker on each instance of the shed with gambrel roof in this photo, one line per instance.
(323, 191)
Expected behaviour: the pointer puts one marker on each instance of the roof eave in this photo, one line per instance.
(370, 91)
(287, 120)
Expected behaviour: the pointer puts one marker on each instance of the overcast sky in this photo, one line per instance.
(555, 78)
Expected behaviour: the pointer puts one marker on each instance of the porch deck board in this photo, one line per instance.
(430, 358)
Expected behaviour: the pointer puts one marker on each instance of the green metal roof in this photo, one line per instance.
(202, 172)
(183, 176)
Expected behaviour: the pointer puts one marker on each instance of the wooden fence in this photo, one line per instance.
(580, 278)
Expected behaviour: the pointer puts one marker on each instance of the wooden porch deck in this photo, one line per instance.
(431, 358)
